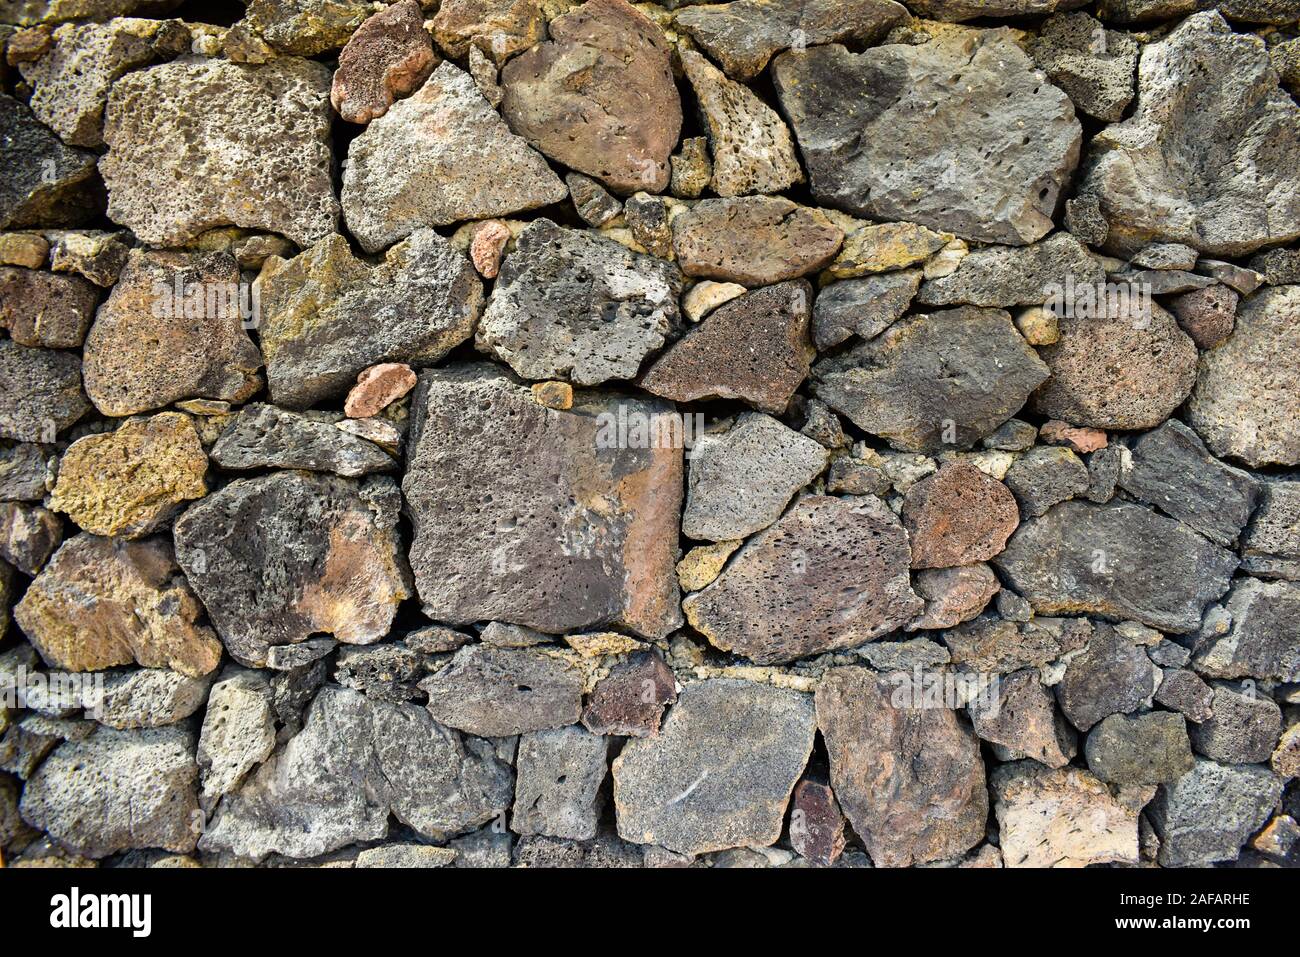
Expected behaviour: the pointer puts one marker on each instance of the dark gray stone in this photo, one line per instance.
(497, 692)
(863, 307)
(1014, 275)
(263, 436)
(1111, 676)
(1261, 640)
(40, 392)
(1243, 728)
(558, 774)
(1045, 476)
(1139, 749)
(1211, 811)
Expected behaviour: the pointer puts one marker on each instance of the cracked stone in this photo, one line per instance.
(1260, 641)
(1045, 476)
(1271, 546)
(238, 733)
(29, 534)
(1094, 66)
(46, 183)
(1243, 728)
(863, 307)
(953, 595)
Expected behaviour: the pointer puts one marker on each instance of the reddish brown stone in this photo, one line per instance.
(1207, 315)
(42, 309)
(388, 57)
(487, 245)
(755, 348)
(816, 824)
(754, 240)
(953, 595)
(377, 388)
(1056, 432)
(631, 700)
(958, 516)
(599, 96)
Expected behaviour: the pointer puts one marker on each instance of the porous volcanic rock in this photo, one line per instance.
(498, 692)
(40, 392)
(957, 516)
(579, 527)
(753, 240)
(263, 436)
(281, 557)
(45, 182)
(42, 309)
(389, 57)
(829, 574)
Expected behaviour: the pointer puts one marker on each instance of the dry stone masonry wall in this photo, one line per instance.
(536, 433)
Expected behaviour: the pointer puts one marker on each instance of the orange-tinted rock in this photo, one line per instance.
(599, 96)
(754, 240)
(42, 309)
(487, 245)
(377, 388)
(1056, 432)
(499, 29)
(102, 602)
(388, 57)
(755, 348)
(958, 516)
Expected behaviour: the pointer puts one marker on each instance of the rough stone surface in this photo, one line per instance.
(741, 479)
(864, 307)
(630, 701)
(498, 692)
(944, 380)
(1014, 275)
(599, 96)
(1119, 560)
(829, 574)
(1045, 476)
(238, 733)
(953, 595)
(1111, 676)
(1023, 719)
(29, 534)
(957, 516)
(1243, 728)
(916, 146)
(1064, 817)
(131, 481)
(1207, 315)
(440, 156)
(754, 240)
(754, 348)
(264, 436)
(602, 528)
(103, 602)
(1093, 65)
(329, 315)
(926, 759)
(568, 305)
(816, 823)
(557, 784)
(498, 29)
(201, 142)
(1271, 546)
(355, 762)
(117, 790)
(1209, 812)
(42, 309)
(282, 557)
(1260, 640)
(1208, 157)
(40, 392)
(389, 57)
(1246, 403)
(149, 347)
(720, 772)
(148, 698)
(1148, 748)
(46, 183)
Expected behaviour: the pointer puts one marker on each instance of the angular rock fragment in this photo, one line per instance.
(329, 315)
(753, 240)
(932, 382)
(1064, 817)
(1170, 468)
(147, 698)
(388, 671)
(750, 144)
(498, 29)
(599, 96)
(94, 254)
(1159, 178)
(71, 80)
(40, 392)
(263, 436)
(1022, 718)
(741, 479)
(591, 200)
(1123, 369)
(720, 772)
(1243, 728)
(1045, 476)
(45, 182)
(405, 856)
(829, 574)
(389, 57)
(1271, 546)
(1186, 693)
(1093, 65)
(1111, 676)
(238, 733)
(926, 760)
(816, 823)
(744, 38)
(1246, 403)
(957, 516)
(754, 348)
(1210, 812)
(1260, 642)
(304, 27)
(104, 602)
(580, 526)
(558, 774)
(883, 247)
(131, 481)
(1120, 560)
(282, 557)
(938, 133)
(1148, 748)
(173, 328)
(863, 307)
(1015, 275)
(42, 309)
(953, 595)
(440, 156)
(29, 534)
(569, 305)
(117, 790)
(202, 142)
(630, 701)
(497, 692)
(355, 762)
